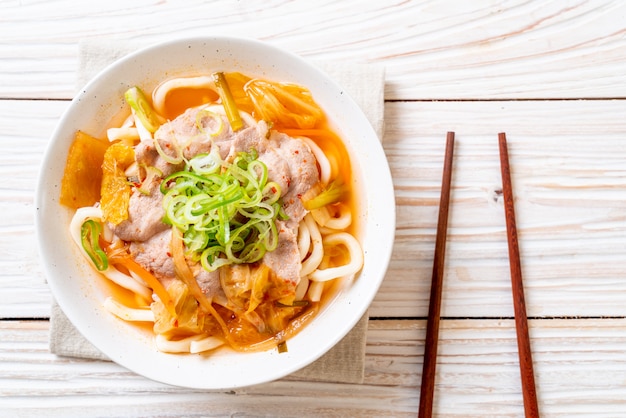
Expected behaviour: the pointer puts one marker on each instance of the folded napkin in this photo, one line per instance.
(344, 362)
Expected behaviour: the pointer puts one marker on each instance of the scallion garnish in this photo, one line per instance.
(230, 107)
(137, 100)
(226, 216)
(89, 236)
(333, 193)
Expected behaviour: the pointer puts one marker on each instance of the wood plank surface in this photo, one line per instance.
(551, 74)
(580, 369)
(432, 50)
(569, 180)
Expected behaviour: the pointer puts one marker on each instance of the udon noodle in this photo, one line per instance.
(219, 209)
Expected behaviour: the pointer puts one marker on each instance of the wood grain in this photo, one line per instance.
(570, 195)
(567, 159)
(580, 362)
(450, 66)
(529, 392)
(484, 49)
(25, 127)
(436, 286)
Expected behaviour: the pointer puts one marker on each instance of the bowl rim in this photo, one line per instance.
(384, 187)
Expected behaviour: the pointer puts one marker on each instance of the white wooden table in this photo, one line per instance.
(551, 74)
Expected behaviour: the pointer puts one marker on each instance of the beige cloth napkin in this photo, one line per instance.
(344, 362)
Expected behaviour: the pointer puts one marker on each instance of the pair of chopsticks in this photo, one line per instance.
(529, 393)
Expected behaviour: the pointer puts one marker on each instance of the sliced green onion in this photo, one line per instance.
(226, 216)
(334, 193)
(206, 163)
(174, 160)
(89, 235)
(152, 173)
(137, 100)
(205, 113)
(230, 107)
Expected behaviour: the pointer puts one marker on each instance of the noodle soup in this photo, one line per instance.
(82, 291)
(219, 206)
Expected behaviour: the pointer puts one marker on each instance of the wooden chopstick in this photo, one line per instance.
(529, 393)
(434, 309)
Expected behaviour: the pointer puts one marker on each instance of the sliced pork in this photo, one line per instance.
(290, 162)
(285, 259)
(155, 256)
(145, 215)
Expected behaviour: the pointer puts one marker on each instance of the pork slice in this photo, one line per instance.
(145, 215)
(184, 133)
(191, 132)
(147, 155)
(244, 140)
(285, 259)
(278, 169)
(200, 142)
(302, 176)
(209, 282)
(170, 135)
(154, 255)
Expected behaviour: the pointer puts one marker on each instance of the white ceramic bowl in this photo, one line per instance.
(79, 291)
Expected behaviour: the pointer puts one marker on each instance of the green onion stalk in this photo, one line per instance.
(230, 107)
